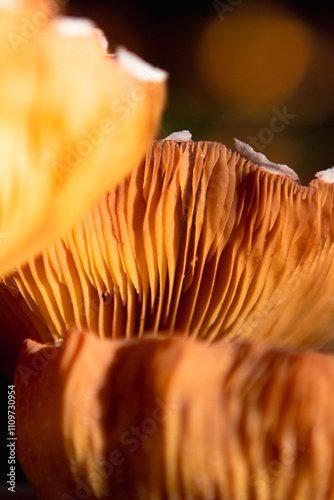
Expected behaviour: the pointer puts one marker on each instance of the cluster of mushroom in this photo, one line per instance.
(169, 298)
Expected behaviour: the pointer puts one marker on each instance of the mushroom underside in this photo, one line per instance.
(197, 239)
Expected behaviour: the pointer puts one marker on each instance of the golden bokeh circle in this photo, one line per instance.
(255, 56)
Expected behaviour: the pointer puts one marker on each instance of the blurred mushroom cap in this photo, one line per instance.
(173, 418)
(73, 122)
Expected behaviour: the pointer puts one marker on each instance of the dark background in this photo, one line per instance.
(232, 64)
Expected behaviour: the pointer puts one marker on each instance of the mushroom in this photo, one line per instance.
(67, 108)
(58, 155)
(199, 242)
(174, 418)
(198, 238)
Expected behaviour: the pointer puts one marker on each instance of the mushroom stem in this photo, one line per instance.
(173, 418)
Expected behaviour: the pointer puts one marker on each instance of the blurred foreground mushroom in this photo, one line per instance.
(177, 419)
(73, 122)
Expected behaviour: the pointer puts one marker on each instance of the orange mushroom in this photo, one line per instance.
(67, 108)
(199, 242)
(198, 239)
(173, 418)
(74, 121)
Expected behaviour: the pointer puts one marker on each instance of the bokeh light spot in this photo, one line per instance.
(255, 57)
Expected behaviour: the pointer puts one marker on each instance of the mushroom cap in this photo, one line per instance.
(198, 239)
(172, 418)
(73, 122)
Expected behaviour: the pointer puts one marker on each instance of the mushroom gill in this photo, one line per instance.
(198, 239)
(159, 418)
(73, 122)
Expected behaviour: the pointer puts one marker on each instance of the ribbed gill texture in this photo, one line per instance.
(197, 239)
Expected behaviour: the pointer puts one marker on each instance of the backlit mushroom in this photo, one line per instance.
(67, 109)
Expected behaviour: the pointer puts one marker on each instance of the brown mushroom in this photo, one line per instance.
(198, 239)
(178, 241)
(177, 419)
